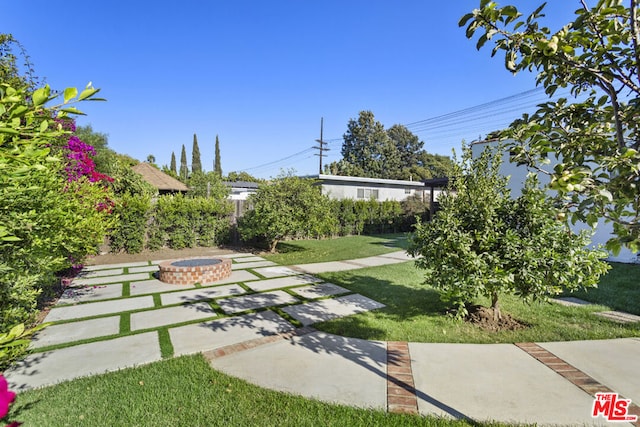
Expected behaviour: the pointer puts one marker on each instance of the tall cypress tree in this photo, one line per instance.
(184, 169)
(196, 164)
(172, 167)
(217, 167)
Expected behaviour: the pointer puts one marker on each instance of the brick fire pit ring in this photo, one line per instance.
(188, 271)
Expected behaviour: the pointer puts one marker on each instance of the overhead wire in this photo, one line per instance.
(495, 114)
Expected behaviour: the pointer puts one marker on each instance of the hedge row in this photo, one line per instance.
(172, 221)
(178, 222)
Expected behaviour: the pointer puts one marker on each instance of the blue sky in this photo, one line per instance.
(261, 74)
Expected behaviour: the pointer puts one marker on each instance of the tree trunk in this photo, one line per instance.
(273, 246)
(495, 307)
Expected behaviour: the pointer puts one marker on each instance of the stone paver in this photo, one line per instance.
(277, 271)
(76, 331)
(109, 279)
(201, 294)
(232, 330)
(236, 276)
(91, 293)
(618, 316)
(375, 261)
(571, 301)
(145, 269)
(320, 290)
(248, 259)
(54, 366)
(255, 301)
(283, 282)
(235, 255)
(494, 381)
(98, 308)
(100, 273)
(153, 286)
(320, 311)
(108, 266)
(614, 363)
(317, 365)
(256, 264)
(398, 255)
(322, 267)
(172, 315)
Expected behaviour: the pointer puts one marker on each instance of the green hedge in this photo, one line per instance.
(172, 221)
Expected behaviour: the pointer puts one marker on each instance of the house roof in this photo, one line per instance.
(362, 180)
(241, 184)
(159, 179)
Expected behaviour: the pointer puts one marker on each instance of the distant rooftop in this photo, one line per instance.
(159, 179)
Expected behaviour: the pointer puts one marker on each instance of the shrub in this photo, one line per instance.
(180, 222)
(484, 243)
(133, 212)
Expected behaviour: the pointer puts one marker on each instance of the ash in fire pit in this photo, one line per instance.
(196, 262)
(194, 270)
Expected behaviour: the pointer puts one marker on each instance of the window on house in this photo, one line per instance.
(407, 191)
(368, 193)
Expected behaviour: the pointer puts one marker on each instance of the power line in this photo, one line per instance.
(454, 124)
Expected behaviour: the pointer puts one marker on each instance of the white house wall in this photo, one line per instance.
(518, 174)
(342, 191)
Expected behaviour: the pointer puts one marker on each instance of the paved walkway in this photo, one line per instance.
(256, 325)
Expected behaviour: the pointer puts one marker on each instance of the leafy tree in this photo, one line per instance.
(483, 243)
(196, 164)
(368, 150)
(285, 208)
(595, 136)
(207, 185)
(172, 167)
(242, 176)
(217, 166)
(151, 159)
(396, 153)
(52, 213)
(9, 68)
(184, 169)
(408, 146)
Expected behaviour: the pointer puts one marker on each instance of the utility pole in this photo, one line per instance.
(321, 146)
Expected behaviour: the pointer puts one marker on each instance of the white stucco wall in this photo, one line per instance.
(341, 187)
(517, 175)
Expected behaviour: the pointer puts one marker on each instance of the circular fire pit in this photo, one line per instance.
(194, 270)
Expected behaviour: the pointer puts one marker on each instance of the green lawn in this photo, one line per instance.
(414, 312)
(185, 391)
(619, 289)
(308, 251)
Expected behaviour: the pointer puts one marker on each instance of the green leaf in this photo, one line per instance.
(40, 96)
(463, 21)
(69, 94)
(510, 11)
(87, 93)
(17, 330)
(44, 126)
(72, 110)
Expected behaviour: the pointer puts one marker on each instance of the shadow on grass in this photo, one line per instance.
(402, 302)
(288, 248)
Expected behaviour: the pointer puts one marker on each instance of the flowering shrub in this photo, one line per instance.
(80, 162)
(6, 398)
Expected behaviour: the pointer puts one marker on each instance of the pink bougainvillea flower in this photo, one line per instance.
(14, 424)
(6, 397)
